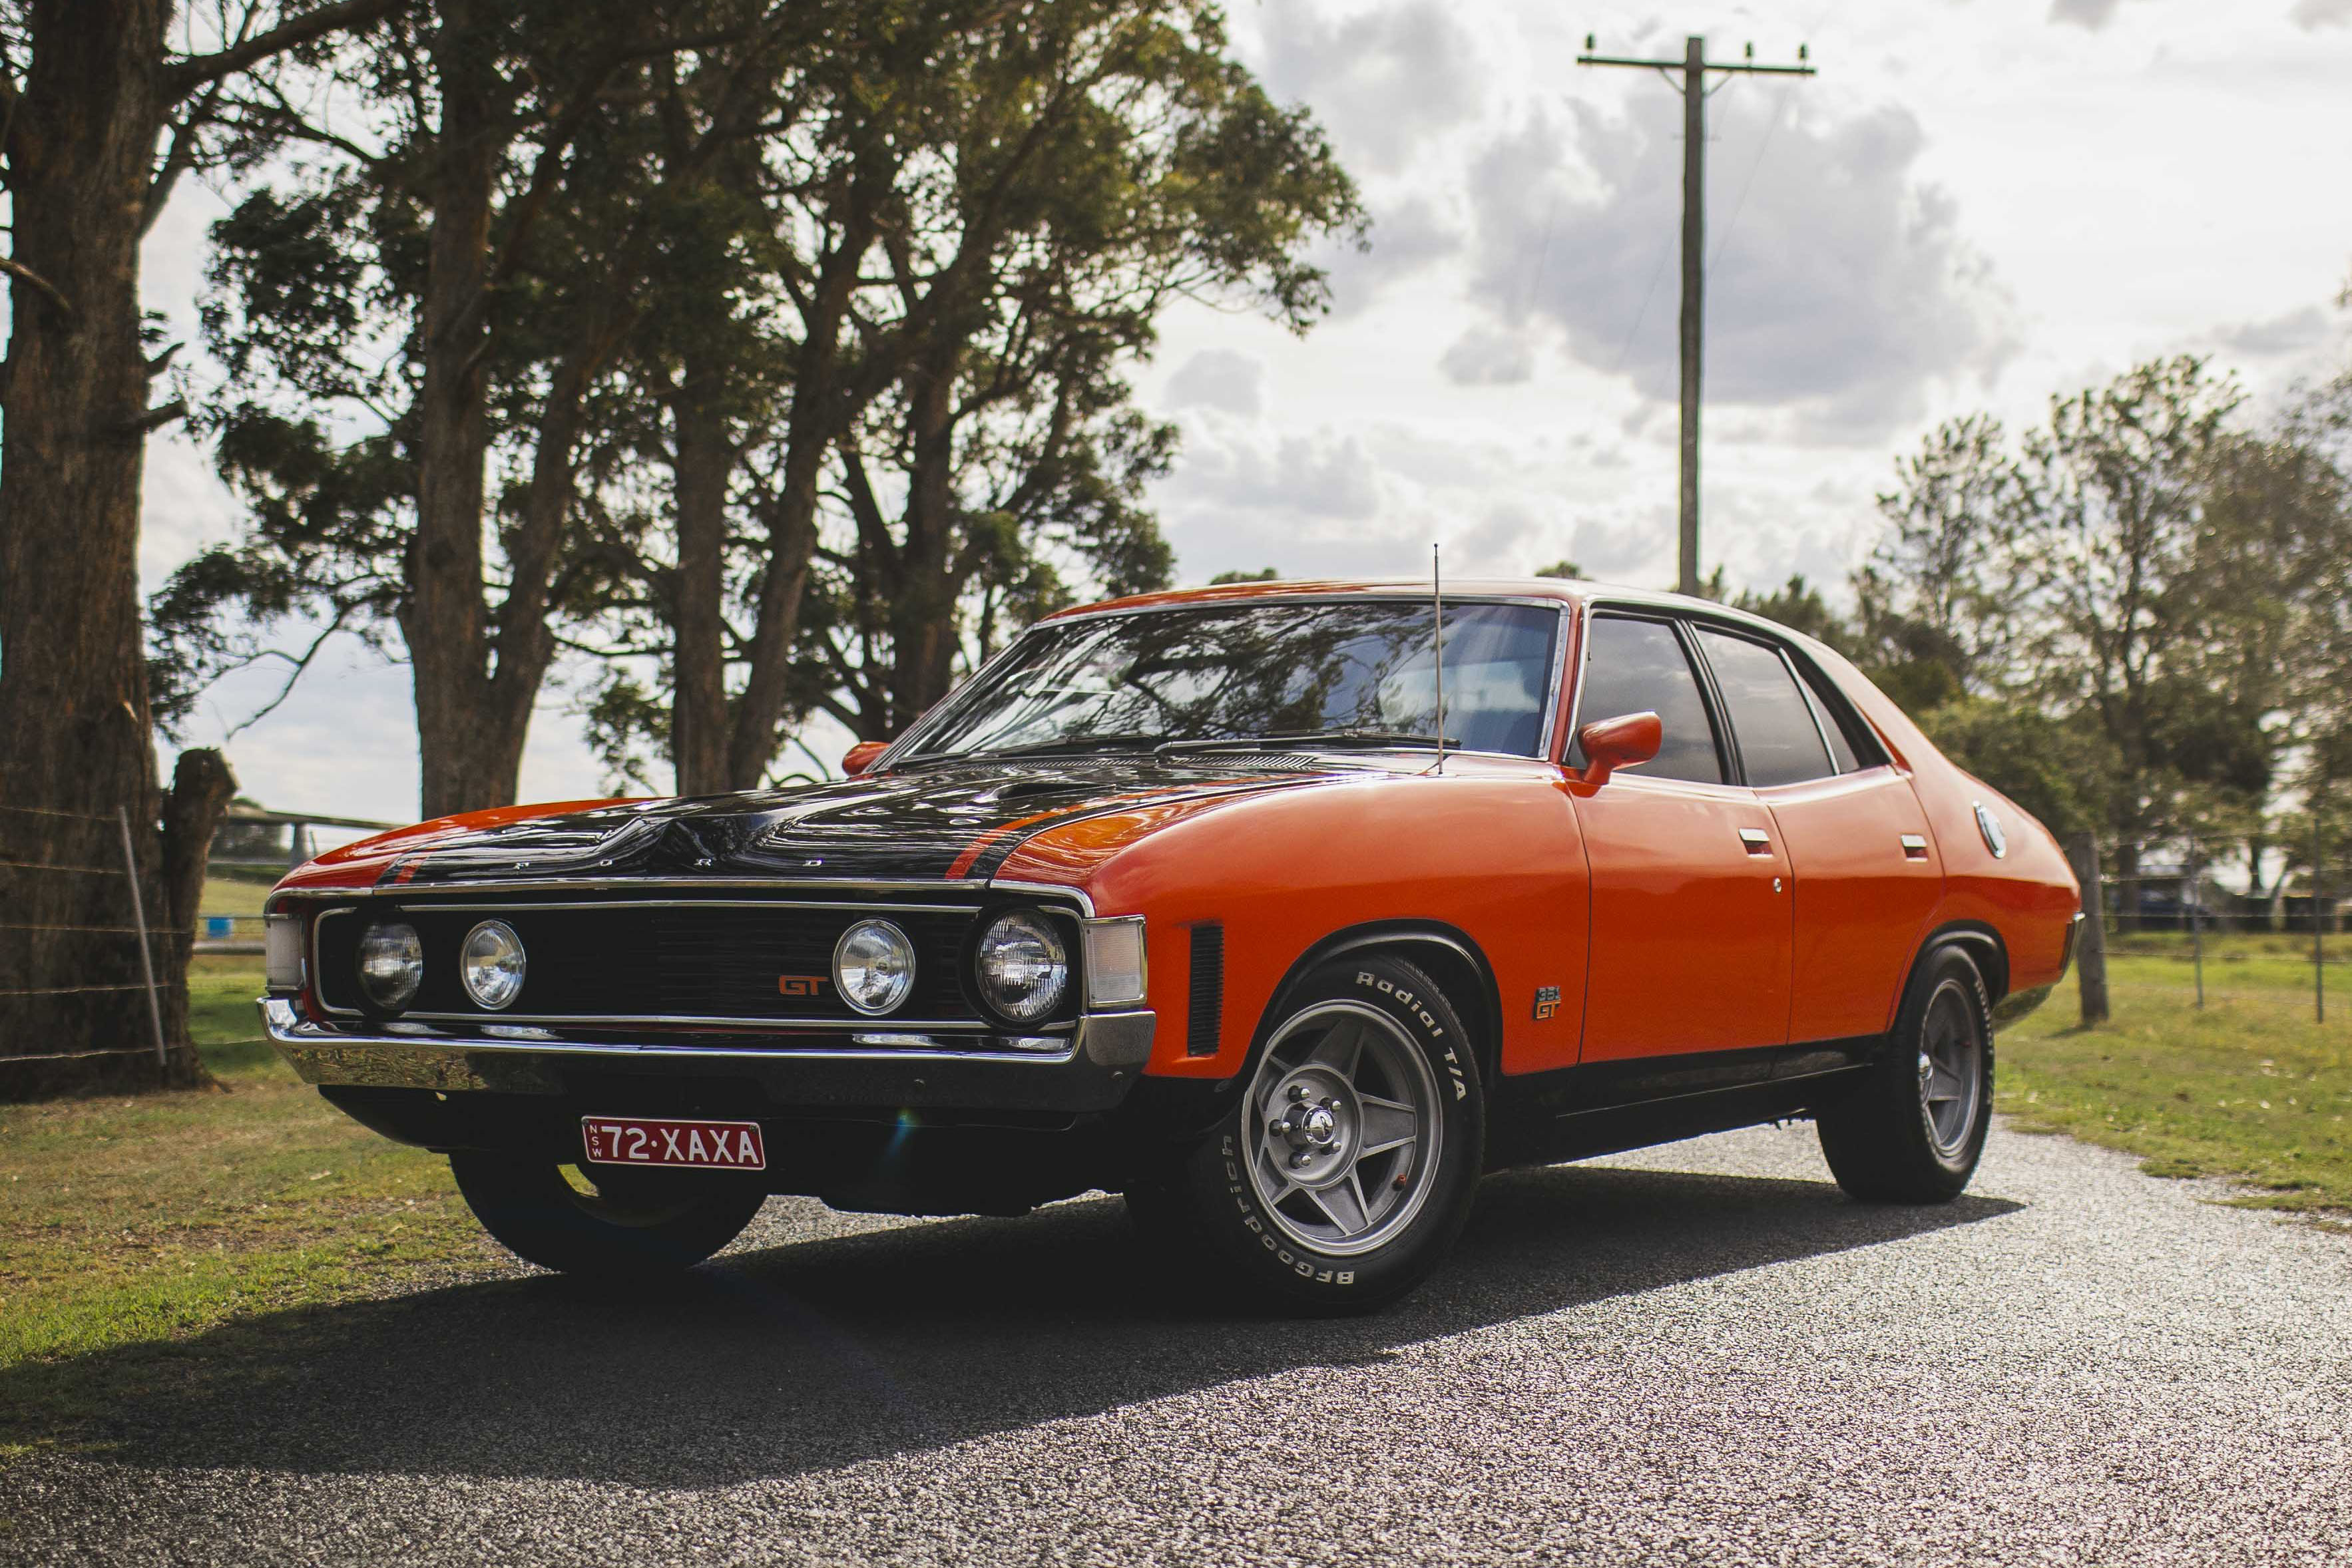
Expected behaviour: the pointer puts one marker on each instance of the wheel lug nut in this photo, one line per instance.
(1299, 1092)
(1282, 1129)
(1299, 1158)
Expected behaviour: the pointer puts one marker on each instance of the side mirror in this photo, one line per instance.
(1621, 742)
(861, 757)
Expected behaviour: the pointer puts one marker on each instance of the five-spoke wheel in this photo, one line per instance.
(1347, 1135)
(1345, 1167)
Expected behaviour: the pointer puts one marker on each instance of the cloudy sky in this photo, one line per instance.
(1976, 204)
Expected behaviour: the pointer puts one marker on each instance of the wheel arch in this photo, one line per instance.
(1982, 944)
(1450, 956)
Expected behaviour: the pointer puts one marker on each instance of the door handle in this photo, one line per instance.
(1757, 841)
(1915, 846)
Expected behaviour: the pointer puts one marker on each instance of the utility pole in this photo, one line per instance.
(1692, 69)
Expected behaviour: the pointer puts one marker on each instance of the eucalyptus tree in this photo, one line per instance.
(421, 320)
(973, 228)
(104, 105)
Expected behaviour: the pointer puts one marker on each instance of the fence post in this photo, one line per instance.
(2319, 951)
(2197, 919)
(139, 925)
(2091, 942)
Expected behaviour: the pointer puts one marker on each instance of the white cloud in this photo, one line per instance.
(1384, 82)
(1220, 378)
(2310, 13)
(2288, 334)
(1840, 286)
(1489, 355)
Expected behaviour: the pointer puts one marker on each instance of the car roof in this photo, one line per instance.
(1558, 589)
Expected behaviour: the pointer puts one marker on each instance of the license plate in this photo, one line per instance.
(657, 1141)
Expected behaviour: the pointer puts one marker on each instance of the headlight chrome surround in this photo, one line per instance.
(491, 965)
(390, 965)
(1022, 966)
(1118, 972)
(874, 967)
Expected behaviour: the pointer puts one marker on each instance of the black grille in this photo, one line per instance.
(1205, 1004)
(747, 961)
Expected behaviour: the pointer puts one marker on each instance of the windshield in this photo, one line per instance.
(1360, 669)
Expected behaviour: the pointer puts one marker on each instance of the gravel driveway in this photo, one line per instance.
(1698, 1353)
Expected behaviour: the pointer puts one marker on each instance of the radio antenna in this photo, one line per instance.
(1437, 646)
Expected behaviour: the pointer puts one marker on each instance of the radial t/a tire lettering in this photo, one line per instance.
(1345, 1169)
(1916, 1128)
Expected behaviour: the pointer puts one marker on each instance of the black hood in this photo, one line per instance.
(946, 821)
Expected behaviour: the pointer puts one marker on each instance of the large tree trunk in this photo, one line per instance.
(705, 459)
(922, 611)
(460, 752)
(73, 682)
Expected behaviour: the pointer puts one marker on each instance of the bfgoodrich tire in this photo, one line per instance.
(1914, 1130)
(1346, 1167)
(632, 1223)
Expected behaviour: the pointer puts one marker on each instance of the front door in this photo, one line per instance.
(1689, 955)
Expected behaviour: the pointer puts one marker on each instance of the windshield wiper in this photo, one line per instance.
(1259, 742)
(1074, 746)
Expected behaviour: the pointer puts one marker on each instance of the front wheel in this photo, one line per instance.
(1345, 1169)
(1914, 1130)
(612, 1224)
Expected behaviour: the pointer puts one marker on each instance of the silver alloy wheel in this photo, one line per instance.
(1343, 1128)
(1951, 1068)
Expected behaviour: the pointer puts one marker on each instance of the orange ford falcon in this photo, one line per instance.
(1285, 910)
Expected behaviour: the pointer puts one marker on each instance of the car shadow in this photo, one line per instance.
(825, 1353)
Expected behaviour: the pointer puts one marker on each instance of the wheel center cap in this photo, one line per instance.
(1320, 1125)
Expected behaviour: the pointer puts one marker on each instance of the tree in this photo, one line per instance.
(1935, 613)
(461, 287)
(2120, 568)
(100, 116)
(985, 250)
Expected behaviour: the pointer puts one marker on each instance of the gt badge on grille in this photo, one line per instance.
(798, 985)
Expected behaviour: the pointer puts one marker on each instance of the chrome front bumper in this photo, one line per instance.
(1092, 1071)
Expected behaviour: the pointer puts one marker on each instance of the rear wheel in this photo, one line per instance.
(1346, 1167)
(601, 1221)
(1914, 1130)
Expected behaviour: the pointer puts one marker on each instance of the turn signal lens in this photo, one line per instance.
(1115, 975)
(491, 965)
(1025, 969)
(391, 965)
(281, 945)
(874, 967)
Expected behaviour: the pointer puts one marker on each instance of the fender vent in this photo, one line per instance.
(1206, 1003)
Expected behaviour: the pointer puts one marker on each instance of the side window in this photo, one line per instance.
(1639, 666)
(1839, 722)
(1778, 741)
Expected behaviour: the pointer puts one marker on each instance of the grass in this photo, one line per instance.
(2249, 1087)
(130, 1225)
(224, 896)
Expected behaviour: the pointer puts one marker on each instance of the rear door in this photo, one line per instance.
(1864, 866)
(1690, 943)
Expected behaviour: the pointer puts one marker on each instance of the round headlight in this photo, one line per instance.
(1023, 966)
(491, 964)
(874, 967)
(391, 965)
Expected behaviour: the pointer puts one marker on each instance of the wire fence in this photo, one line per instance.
(52, 978)
(2213, 904)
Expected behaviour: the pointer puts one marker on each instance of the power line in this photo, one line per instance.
(1693, 69)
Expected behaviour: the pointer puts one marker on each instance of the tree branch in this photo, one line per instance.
(40, 285)
(183, 77)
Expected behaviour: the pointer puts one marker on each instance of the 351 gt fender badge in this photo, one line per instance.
(1547, 1001)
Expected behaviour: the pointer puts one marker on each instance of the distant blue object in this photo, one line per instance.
(219, 927)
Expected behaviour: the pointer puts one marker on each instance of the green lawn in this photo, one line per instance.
(222, 896)
(128, 1226)
(2248, 1087)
